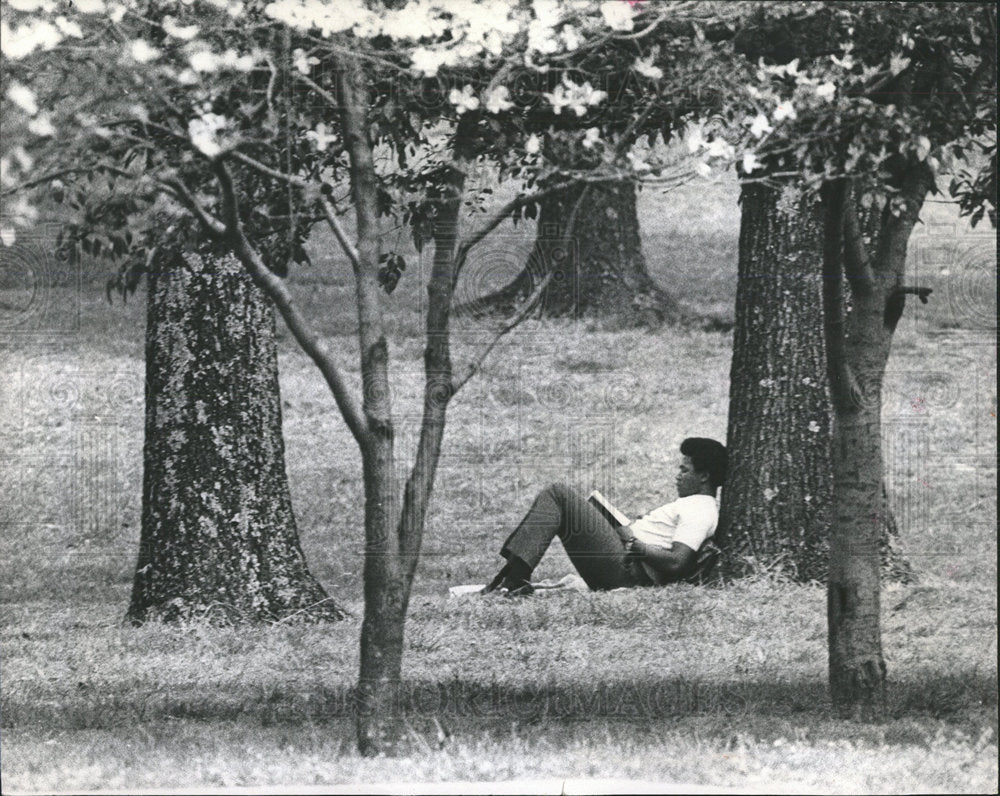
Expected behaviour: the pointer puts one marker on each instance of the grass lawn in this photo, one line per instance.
(708, 687)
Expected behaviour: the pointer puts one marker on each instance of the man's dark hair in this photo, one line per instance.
(707, 456)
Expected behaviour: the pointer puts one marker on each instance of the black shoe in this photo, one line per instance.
(498, 580)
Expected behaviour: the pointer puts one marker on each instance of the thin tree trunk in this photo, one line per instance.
(599, 267)
(775, 502)
(858, 343)
(218, 534)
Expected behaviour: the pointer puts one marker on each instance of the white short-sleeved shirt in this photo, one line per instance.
(688, 520)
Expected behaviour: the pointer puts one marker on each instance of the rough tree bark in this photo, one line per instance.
(218, 536)
(601, 273)
(775, 503)
(858, 348)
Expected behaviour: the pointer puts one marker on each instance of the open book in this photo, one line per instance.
(610, 513)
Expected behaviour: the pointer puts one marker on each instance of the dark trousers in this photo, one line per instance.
(591, 542)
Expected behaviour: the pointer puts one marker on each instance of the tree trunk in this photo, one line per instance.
(857, 668)
(218, 535)
(858, 343)
(775, 502)
(601, 273)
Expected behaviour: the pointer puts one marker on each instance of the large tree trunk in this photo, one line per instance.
(599, 268)
(218, 537)
(775, 502)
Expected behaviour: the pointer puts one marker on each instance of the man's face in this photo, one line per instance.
(689, 481)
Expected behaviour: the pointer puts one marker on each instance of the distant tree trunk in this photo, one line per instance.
(601, 273)
(776, 499)
(218, 537)
(871, 254)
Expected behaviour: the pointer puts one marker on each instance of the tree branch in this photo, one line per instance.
(214, 226)
(843, 387)
(329, 211)
(532, 301)
(856, 264)
(473, 367)
(304, 335)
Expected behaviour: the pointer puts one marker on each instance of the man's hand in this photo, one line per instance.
(625, 533)
(676, 563)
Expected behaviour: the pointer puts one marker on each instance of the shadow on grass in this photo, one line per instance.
(958, 699)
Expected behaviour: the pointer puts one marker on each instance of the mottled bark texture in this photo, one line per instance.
(219, 538)
(775, 502)
(599, 267)
(779, 377)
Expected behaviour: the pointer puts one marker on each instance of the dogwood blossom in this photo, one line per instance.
(760, 125)
(826, 90)
(42, 127)
(142, 52)
(750, 162)
(302, 62)
(183, 32)
(784, 110)
(203, 132)
(320, 137)
(591, 137)
(498, 100)
(645, 67)
(576, 97)
(23, 97)
(617, 15)
(464, 100)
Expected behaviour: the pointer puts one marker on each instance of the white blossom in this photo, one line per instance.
(23, 97)
(646, 68)
(464, 100)
(142, 52)
(89, 6)
(532, 145)
(69, 28)
(720, 148)
(576, 97)
(703, 169)
(814, 427)
(428, 61)
(617, 14)
(203, 132)
(846, 63)
(22, 41)
(30, 6)
(570, 38)
(320, 137)
(498, 100)
(183, 32)
(897, 63)
(784, 110)
(750, 162)
(760, 125)
(42, 127)
(302, 62)
(923, 147)
(591, 137)
(695, 139)
(826, 90)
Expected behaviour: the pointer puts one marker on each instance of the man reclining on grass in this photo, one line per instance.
(658, 548)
